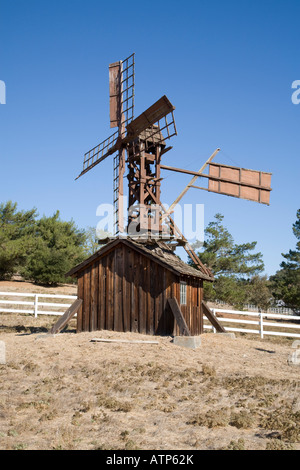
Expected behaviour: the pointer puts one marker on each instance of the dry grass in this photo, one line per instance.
(66, 392)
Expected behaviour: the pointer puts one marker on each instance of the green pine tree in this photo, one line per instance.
(59, 246)
(17, 231)
(232, 264)
(286, 281)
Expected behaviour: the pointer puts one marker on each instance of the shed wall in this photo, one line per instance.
(126, 291)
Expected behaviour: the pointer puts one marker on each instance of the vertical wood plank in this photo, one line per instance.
(99, 296)
(200, 289)
(160, 309)
(125, 268)
(110, 291)
(169, 317)
(118, 307)
(142, 296)
(153, 280)
(102, 295)
(94, 297)
(193, 311)
(148, 296)
(177, 296)
(163, 301)
(80, 296)
(134, 295)
(188, 294)
(87, 299)
(128, 271)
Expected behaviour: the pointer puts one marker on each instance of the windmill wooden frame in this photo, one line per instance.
(141, 143)
(136, 284)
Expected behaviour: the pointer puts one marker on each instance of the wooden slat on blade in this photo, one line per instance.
(241, 175)
(114, 93)
(242, 183)
(157, 111)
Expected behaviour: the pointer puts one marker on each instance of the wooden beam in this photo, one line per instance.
(188, 247)
(183, 328)
(66, 317)
(104, 340)
(212, 318)
(193, 180)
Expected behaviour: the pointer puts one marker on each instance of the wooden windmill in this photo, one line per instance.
(141, 143)
(138, 284)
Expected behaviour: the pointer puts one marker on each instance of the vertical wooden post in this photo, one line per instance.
(36, 302)
(122, 153)
(80, 296)
(261, 324)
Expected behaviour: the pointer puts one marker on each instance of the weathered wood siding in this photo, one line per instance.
(192, 311)
(127, 291)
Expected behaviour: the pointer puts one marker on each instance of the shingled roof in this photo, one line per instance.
(157, 250)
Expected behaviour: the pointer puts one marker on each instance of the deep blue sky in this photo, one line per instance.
(227, 66)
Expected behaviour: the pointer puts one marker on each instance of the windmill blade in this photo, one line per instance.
(121, 92)
(233, 181)
(127, 91)
(240, 182)
(100, 152)
(148, 118)
(114, 93)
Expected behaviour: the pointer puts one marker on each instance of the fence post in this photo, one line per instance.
(213, 328)
(261, 324)
(36, 300)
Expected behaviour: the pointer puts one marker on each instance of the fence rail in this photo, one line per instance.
(37, 306)
(254, 308)
(261, 322)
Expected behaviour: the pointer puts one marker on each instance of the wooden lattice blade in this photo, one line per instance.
(148, 118)
(100, 153)
(121, 92)
(237, 182)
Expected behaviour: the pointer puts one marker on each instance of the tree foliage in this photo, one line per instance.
(93, 235)
(59, 246)
(286, 281)
(258, 292)
(16, 237)
(41, 250)
(226, 258)
(236, 267)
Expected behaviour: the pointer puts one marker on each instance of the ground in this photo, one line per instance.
(69, 392)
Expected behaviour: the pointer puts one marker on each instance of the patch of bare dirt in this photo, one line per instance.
(67, 392)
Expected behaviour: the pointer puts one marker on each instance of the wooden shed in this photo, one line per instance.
(135, 286)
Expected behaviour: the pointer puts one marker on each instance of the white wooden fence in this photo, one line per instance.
(261, 322)
(36, 304)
